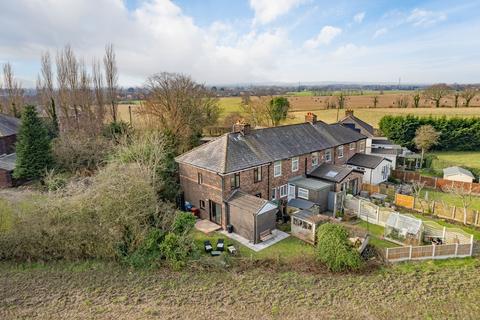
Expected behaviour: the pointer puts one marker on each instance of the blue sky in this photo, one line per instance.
(253, 41)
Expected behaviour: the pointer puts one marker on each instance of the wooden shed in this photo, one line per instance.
(7, 164)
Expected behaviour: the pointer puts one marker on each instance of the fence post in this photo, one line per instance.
(453, 212)
(471, 245)
(456, 249)
(433, 251)
(444, 233)
(465, 216)
(359, 213)
(436, 179)
(476, 218)
(378, 215)
(386, 254)
(410, 253)
(433, 207)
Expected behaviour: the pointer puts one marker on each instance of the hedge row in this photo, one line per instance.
(457, 134)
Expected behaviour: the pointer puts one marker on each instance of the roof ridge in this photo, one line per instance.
(200, 146)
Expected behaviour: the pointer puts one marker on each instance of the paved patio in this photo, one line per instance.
(206, 226)
(277, 236)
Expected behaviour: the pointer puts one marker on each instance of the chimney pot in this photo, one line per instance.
(311, 117)
(241, 127)
(348, 112)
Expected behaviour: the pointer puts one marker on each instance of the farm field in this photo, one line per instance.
(462, 158)
(445, 289)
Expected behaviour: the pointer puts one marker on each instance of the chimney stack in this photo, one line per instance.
(348, 112)
(241, 127)
(311, 117)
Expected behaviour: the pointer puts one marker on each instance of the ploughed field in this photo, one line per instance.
(429, 290)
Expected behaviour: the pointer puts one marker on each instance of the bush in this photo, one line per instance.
(183, 223)
(117, 130)
(335, 250)
(108, 216)
(149, 253)
(176, 249)
(78, 152)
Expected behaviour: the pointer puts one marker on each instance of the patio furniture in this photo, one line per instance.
(220, 245)
(208, 246)
(232, 250)
(215, 253)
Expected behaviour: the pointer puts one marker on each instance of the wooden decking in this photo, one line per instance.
(206, 226)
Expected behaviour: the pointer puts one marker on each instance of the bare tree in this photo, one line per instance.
(416, 99)
(180, 107)
(14, 92)
(436, 92)
(111, 76)
(465, 197)
(417, 187)
(63, 91)
(468, 94)
(256, 110)
(375, 101)
(426, 137)
(456, 95)
(72, 80)
(46, 89)
(402, 101)
(98, 87)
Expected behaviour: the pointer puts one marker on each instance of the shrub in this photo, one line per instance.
(108, 216)
(183, 223)
(334, 248)
(149, 253)
(80, 152)
(176, 249)
(117, 130)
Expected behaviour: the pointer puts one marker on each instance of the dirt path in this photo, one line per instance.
(110, 292)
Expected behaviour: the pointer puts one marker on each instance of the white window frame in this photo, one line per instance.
(283, 191)
(314, 159)
(273, 193)
(295, 164)
(352, 144)
(362, 146)
(277, 169)
(340, 152)
(328, 155)
(303, 193)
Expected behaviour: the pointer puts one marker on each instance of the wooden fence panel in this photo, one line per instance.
(405, 201)
(422, 252)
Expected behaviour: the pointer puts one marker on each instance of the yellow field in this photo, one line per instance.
(297, 113)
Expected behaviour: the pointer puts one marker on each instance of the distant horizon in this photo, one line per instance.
(253, 42)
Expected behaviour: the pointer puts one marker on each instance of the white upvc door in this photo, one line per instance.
(291, 192)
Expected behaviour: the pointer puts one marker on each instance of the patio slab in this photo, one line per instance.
(277, 236)
(206, 226)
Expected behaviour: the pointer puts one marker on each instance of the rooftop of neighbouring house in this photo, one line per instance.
(366, 160)
(331, 172)
(246, 147)
(7, 162)
(8, 125)
(350, 118)
(451, 171)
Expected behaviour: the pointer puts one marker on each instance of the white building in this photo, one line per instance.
(375, 169)
(458, 174)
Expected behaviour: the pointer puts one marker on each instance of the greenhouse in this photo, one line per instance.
(404, 229)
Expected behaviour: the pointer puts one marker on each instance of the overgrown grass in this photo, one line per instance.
(460, 158)
(468, 229)
(450, 198)
(376, 233)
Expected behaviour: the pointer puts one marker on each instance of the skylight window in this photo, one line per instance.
(331, 173)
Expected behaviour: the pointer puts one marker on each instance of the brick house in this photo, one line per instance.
(261, 162)
(8, 137)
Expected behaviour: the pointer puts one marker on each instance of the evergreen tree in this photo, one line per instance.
(33, 147)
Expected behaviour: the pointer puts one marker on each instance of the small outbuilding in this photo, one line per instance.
(343, 177)
(404, 229)
(375, 169)
(458, 174)
(313, 190)
(252, 217)
(305, 223)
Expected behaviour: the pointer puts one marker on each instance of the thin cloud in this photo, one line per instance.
(358, 18)
(380, 32)
(326, 35)
(425, 18)
(267, 11)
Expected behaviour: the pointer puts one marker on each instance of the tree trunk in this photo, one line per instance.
(421, 159)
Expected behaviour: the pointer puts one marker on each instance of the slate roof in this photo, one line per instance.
(450, 171)
(307, 215)
(7, 162)
(365, 160)
(309, 183)
(234, 151)
(330, 172)
(359, 123)
(249, 203)
(395, 152)
(8, 125)
(300, 203)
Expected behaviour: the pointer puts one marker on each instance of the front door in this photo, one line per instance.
(291, 192)
(215, 212)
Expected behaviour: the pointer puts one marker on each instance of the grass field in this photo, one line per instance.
(462, 158)
(445, 289)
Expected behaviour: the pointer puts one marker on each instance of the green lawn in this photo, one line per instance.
(470, 230)
(462, 158)
(376, 233)
(450, 198)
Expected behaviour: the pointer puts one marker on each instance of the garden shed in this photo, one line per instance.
(305, 223)
(7, 165)
(252, 217)
(404, 229)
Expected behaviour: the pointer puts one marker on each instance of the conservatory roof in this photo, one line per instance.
(401, 221)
